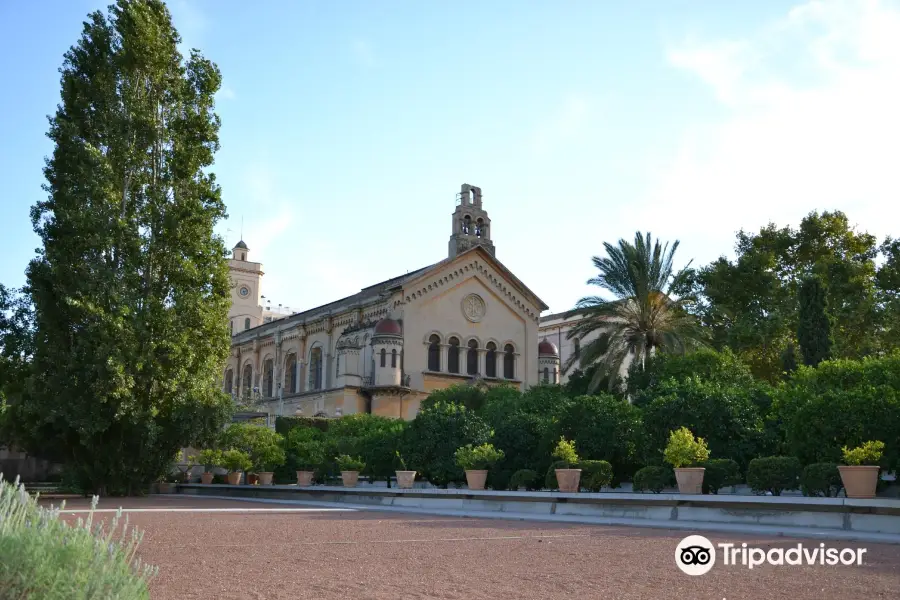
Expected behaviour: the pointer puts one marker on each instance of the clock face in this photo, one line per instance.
(244, 292)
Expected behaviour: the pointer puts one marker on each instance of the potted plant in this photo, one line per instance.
(190, 461)
(261, 444)
(166, 484)
(476, 461)
(210, 459)
(860, 473)
(684, 452)
(267, 457)
(350, 468)
(309, 456)
(568, 478)
(236, 462)
(405, 478)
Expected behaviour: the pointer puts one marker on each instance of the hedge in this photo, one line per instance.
(720, 472)
(822, 480)
(774, 474)
(283, 425)
(653, 479)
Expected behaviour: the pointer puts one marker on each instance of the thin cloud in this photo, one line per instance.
(811, 124)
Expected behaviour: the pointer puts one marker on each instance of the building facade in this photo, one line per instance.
(464, 319)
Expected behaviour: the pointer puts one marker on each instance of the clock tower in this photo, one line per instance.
(246, 309)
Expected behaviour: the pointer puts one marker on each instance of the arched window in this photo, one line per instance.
(243, 256)
(383, 357)
(269, 384)
(247, 383)
(247, 323)
(453, 356)
(490, 367)
(479, 228)
(577, 343)
(290, 374)
(229, 381)
(472, 358)
(509, 362)
(393, 359)
(315, 368)
(467, 225)
(546, 375)
(434, 353)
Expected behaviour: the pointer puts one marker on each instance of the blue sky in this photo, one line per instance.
(348, 127)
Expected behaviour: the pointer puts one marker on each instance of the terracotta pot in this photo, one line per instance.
(690, 480)
(265, 478)
(860, 481)
(350, 478)
(234, 478)
(304, 478)
(406, 479)
(252, 478)
(476, 478)
(569, 480)
(206, 478)
(165, 487)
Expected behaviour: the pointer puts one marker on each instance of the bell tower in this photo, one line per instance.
(471, 225)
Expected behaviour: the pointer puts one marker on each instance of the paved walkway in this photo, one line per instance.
(232, 549)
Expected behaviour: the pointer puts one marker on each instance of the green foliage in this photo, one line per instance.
(550, 481)
(720, 472)
(645, 316)
(130, 288)
(595, 474)
(653, 479)
(842, 403)
(305, 448)
(751, 304)
(814, 328)
(524, 478)
(821, 480)
(789, 361)
(284, 425)
(210, 458)
(44, 557)
(477, 458)
(262, 445)
(704, 364)
(579, 382)
(726, 416)
(604, 427)
(16, 352)
(236, 460)
(471, 396)
(774, 474)
(565, 452)
(376, 438)
(684, 450)
(869, 453)
(349, 463)
(433, 436)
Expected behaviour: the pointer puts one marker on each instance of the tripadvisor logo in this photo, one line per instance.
(696, 555)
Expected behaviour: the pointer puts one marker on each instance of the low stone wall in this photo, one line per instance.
(817, 515)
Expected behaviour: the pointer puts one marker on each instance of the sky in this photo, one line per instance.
(348, 127)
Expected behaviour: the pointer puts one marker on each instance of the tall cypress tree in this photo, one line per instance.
(814, 330)
(130, 288)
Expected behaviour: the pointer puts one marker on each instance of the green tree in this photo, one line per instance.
(814, 330)
(16, 342)
(643, 318)
(131, 286)
(750, 304)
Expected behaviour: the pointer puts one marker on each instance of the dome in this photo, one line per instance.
(241, 245)
(388, 327)
(547, 348)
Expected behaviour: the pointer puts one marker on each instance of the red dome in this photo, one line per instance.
(547, 348)
(388, 327)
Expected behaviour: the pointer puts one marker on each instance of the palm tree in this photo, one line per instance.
(644, 316)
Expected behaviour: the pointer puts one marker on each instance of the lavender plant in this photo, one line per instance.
(44, 557)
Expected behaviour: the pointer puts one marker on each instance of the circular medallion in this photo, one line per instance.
(473, 307)
(244, 291)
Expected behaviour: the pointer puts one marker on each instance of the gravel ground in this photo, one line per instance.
(274, 552)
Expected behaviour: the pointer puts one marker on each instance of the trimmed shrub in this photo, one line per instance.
(477, 458)
(261, 444)
(550, 480)
(842, 403)
(524, 478)
(720, 472)
(595, 474)
(868, 454)
(774, 474)
(653, 479)
(821, 480)
(284, 425)
(349, 463)
(431, 439)
(44, 557)
(684, 450)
